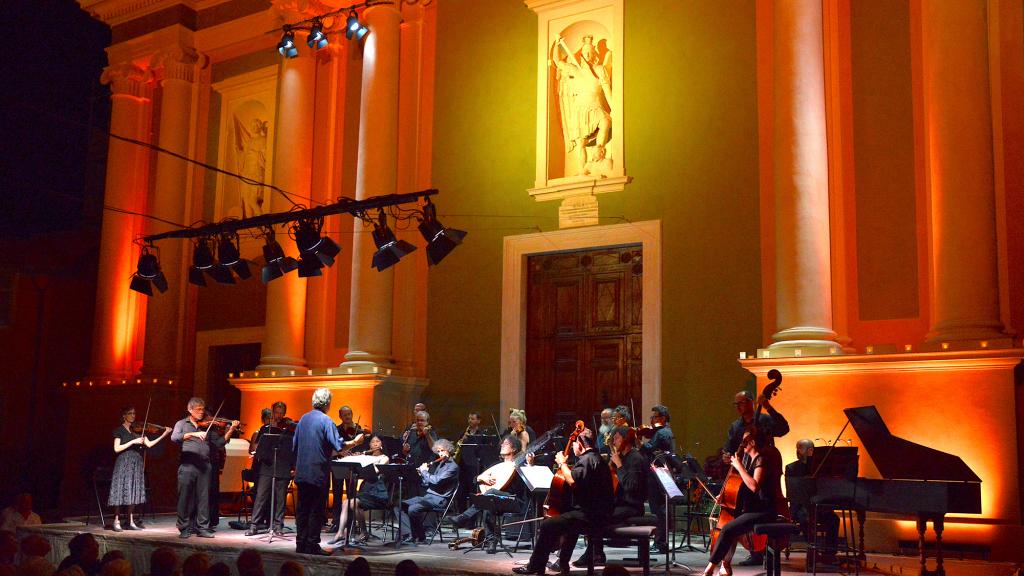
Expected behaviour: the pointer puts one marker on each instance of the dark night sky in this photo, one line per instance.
(50, 69)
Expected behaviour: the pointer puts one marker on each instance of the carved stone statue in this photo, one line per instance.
(584, 96)
(251, 148)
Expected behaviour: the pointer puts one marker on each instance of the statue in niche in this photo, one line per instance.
(251, 154)
(584, 97)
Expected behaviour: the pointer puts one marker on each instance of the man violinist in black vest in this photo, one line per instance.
(593, 499)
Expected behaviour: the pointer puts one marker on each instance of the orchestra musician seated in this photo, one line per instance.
(439, 478)
(500, 480)
(372, 495)
(593, 499)
(759, 468)
(827, 519)
(631, 468)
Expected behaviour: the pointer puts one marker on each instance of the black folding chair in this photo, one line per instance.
(101, 476)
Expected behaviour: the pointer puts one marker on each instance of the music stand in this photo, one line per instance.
(392, 472)
(537, 480)
(277, 449)
(481, 448)
(690, 471)
(672, 494)
(348, 470)
(498, 506)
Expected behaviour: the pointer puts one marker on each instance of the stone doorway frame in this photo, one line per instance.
(513, 300)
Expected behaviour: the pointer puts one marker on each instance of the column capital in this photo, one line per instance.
(382, 14)
(294, 10)
(128, 79)
(179, 63)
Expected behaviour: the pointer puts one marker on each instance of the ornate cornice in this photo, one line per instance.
(179, 63)
(127, 78)
(114, 12)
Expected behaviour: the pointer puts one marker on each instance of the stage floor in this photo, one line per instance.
(434, 559)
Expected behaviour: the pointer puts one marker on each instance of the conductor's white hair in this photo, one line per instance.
(321, 398)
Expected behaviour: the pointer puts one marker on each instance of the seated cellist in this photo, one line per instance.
(759, 467)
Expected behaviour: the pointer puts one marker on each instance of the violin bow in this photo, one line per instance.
(496, 429)
(215, 414)
(145, 423)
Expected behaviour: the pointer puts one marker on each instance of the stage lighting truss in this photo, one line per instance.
(148, 274)
(317, 38)
(216, 252)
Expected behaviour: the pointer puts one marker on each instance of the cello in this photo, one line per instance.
(728, 497)
(557, 499)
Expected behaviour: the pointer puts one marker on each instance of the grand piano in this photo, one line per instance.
(916, 480)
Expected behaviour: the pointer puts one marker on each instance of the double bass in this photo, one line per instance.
(728, 497)
(557, 499)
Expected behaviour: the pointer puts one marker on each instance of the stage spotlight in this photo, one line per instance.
(277, 263)
(309, 242)
(389, 249)
(440, 240)
(202, 260)
(353, 27)
(229, 257)
(148, 274)
(310, 265)
(316, 39)
(287, 44)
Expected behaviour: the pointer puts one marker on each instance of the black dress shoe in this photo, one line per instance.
(331, 528)
(410, 541)
(752, 560)
(658, 548)
(558, 567)
(184, 533)
(581, 562)
(527, 570)
(252, 531)
(205, 534)
(317, 551)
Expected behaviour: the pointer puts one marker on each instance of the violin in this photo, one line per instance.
(218, 423)
(286, 424)
(148, 428)
(647, 432)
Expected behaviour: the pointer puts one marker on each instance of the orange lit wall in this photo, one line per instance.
(956, 402)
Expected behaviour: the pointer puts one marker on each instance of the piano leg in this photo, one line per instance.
(938, 523)
(922, 527)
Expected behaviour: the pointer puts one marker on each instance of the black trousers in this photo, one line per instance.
(411, 512)
(568, 527)
(214, 494)
(261, 512)
(732, 531)
(310, 512)
(194, 496)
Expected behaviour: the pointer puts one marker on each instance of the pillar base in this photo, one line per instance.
(802, 341)
(953, 331)
(282, 363)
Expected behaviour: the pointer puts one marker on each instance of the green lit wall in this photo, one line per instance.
(691, 147)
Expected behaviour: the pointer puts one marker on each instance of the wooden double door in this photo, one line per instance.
(583, 334)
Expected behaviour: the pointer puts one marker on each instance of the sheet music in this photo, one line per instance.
(664, 476)
(363, 460)
(536, 477)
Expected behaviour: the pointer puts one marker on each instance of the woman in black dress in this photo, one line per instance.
(760, 467)
(128, 483)
(372, 495)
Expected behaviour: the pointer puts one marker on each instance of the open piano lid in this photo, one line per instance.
(899, 459)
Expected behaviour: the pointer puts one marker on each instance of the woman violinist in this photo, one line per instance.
(128, 483)
(759, 467)
(518, 429)
(372, 495)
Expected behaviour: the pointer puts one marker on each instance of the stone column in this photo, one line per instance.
(369, 335)
(958, 124)
(164, 317)
(285, 337)
(800, 156)
(117, 308)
